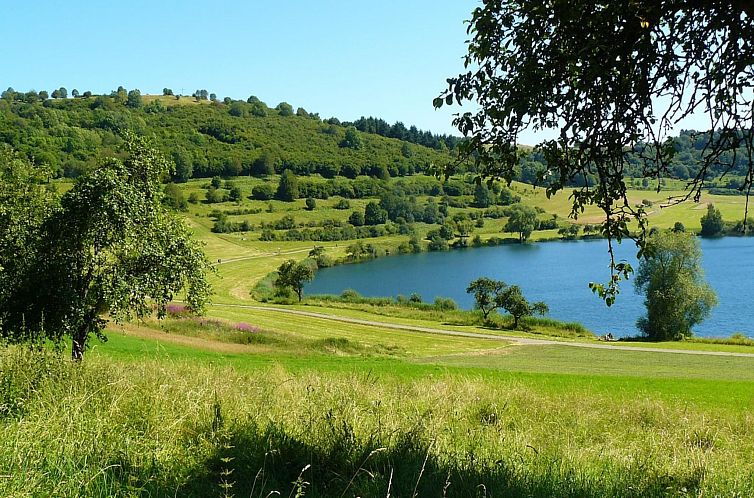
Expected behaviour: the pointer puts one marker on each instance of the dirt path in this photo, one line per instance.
(525, 341)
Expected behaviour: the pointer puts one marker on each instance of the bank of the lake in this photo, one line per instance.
(556, 272)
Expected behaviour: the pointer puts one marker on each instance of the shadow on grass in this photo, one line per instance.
(254, 462)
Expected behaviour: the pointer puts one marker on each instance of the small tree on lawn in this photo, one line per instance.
(293, 275)
(513, 301)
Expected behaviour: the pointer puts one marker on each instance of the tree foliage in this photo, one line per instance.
(287, 187)
(522, 220)
(712, 222)
(594, 72)
(486, 292)
(513, 301)
(490, 295)
(108, 249)
(294, 275)
(672, 280)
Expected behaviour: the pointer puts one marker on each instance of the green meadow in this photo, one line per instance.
(248, 401)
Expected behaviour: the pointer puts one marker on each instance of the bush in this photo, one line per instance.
(264, 192)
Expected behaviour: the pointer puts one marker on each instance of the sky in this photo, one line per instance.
(340, 58)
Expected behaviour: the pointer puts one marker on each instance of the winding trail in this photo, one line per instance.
(523, 341)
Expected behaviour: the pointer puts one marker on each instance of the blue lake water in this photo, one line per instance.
(557, 273)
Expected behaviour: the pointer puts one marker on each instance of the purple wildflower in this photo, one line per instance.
(176, 309)
(245, 327)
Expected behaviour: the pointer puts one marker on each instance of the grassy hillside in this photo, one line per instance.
(71, 136)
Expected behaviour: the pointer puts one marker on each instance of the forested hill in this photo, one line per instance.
(206, 137)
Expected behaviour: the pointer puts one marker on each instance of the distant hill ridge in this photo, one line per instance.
(207, 137)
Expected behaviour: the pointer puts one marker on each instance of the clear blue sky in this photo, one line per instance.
(340, 58)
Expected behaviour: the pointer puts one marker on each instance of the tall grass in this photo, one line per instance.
(164, 428)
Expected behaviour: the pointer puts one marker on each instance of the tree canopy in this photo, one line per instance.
(671, 278)
(108, 248)
(607, 78)
(294, 275)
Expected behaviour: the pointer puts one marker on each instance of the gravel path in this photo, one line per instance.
(526, 341)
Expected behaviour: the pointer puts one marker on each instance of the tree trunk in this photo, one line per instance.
(515, 322)
(79, 343)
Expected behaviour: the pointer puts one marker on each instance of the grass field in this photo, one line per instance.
(308, 407)
(249, 402)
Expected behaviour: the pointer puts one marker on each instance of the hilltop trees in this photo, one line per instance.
(108, 249)
(604, 77)
(134, 99)
(672, 280)
(352, 140)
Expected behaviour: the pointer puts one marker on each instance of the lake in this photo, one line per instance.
(557, 273)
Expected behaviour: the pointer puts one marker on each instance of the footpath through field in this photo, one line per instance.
(526, 341)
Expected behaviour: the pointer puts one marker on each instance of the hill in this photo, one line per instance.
(206, 138)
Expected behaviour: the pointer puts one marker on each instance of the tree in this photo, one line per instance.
(184, 164)
(56, 94)
(513, 301)
(523, 220)
(120, 95)
(213, 97)
(712, 222)
(264, 165)
(374, 214)
(486, 292)
(235, 193)
(352, 139)
(287, 187)
(63, 93)
(134, 99)
(609, 79)
(43, 95)
(25, 203)
(109, 249)
(671, 278)
(356, 218)
(482, 195)
(75, 93)
(167, 91)
(263, 192)
(294, 275)
(310, 203)
(284, 109)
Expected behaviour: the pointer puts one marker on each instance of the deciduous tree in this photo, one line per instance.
(672, 281)
(522, 220)
(109, 249)
(712, 222)
(294, 275)
(486, 292)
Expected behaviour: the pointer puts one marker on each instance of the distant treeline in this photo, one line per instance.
(410, 134)
(205, 137)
